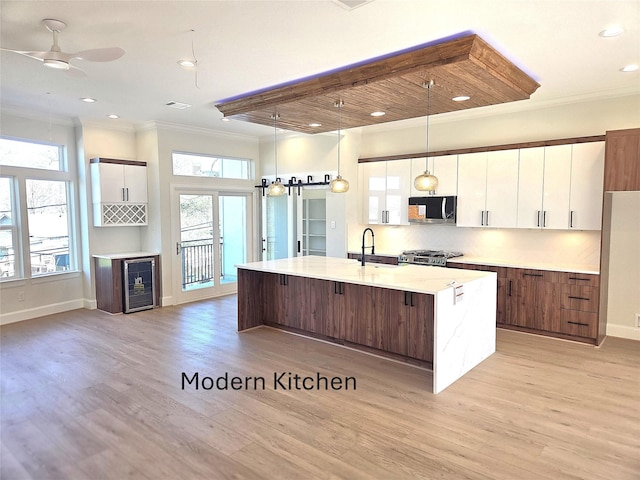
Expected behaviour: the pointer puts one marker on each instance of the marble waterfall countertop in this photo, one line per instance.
(414, 278)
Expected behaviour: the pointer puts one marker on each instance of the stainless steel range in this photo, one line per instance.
(427, 257)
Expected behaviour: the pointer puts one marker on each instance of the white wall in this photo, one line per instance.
(45, 295)
(624, 265)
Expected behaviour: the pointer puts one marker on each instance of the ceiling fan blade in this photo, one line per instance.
(100, 54)
(75, 72)
(37, 55)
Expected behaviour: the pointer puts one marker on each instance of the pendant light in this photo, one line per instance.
(339, 184)
(276, 188)
(427, 182)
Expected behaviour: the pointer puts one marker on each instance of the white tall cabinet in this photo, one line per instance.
(386, 189)
(488, 189)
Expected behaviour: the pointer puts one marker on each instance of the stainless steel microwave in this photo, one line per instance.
(433, 209)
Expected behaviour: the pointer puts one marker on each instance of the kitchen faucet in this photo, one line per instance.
(372, 247)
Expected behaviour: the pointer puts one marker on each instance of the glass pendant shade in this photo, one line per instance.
(276, 189)
(339, 185)
(426, 182)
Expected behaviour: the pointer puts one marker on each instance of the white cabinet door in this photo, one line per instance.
(107, 182)
(587, 178)
(445, 168)
(557, 181)
(135, 182)
(530, 187)
(472, 189)
(374, 179)
(399, 183)
(502, 189)
(387, 186)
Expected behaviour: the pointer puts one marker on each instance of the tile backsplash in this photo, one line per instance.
(549, 246)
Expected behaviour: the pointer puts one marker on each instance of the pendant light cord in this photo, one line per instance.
(339, 105)
(428, 86)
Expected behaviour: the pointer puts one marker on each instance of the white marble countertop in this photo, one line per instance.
(414, 278)
(114, 256)
(553, 267)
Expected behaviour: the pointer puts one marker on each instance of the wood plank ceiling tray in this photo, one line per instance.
(393, 84)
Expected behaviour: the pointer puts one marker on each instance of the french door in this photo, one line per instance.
(212, 233)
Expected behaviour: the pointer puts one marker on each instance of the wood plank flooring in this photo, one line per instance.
(87, 395)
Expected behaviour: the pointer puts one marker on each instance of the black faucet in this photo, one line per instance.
(372, 247)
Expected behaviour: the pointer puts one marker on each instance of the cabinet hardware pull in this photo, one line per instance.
(335, 288)
(127, 193)
(571, 219)
(544, 218)
(481, 217)
(538, 217)
(387, 216)
(532, 275)
(487, 222)
(581, 279)
(578, 323)
(123, 199)
(298, 246)
(412, 304)
(510, 286)
(341, 288)
(579, 298)
(405, 299)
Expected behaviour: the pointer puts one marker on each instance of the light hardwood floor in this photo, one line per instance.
(87, 395)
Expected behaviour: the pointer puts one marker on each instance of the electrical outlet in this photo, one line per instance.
(21, 296)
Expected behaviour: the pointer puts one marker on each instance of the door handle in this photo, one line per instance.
(178, 248)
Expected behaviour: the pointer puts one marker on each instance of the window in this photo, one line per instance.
(198, 165)
(36, 194)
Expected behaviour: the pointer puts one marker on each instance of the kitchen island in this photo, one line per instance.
(442, 318)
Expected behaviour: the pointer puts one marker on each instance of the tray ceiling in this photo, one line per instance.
(394, 84)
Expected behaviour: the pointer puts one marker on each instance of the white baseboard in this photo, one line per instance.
(166, 301)
(623, 331)
(90, 304)
(36, 312)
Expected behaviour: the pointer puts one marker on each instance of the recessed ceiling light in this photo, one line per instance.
(225, 119)
(612, 31)
(377, 114)
(88, 99)
(315, 124)
(630, 68)
(461, 98)
(187, 63)
(113, 115)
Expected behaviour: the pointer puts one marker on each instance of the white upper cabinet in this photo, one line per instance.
(472, 189)
(118, 182)
(488, 189)
(587, 178)
(556, 187)
(119, 192)
(530, 187)
(444, 167)
(386, 190)
(502, 189)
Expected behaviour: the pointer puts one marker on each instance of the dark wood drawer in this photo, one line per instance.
(576, 297)
(581, 324)
(584, 279)
(532, 275)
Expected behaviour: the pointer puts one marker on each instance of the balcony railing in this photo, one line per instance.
(197, 261)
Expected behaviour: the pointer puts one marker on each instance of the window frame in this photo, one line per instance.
(18, 177)
(249, 165)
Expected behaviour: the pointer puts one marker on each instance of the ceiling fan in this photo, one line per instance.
(57, 59)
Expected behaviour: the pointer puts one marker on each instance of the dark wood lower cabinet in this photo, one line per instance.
(386, 320)
(562, 304)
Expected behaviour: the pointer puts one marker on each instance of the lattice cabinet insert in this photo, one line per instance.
(119, 191)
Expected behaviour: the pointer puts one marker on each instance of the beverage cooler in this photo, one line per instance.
(139, 284)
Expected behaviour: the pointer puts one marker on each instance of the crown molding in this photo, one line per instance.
(30, 114)
(176, 127)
